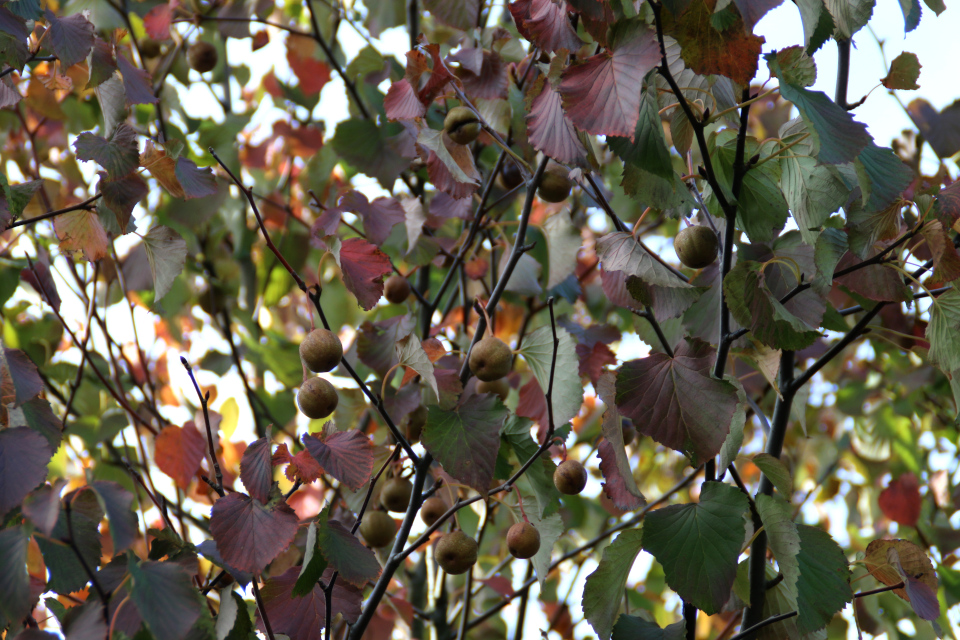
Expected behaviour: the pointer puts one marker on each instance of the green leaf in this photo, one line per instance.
(410, 353)
(776, 472)
(67, 575)
(356, 563)
(904, 71)
(677, 402)
(550, 528)
(648, 150)
(15, 601)
(731, 446)
(314, 563)
(812, 190)
(233, 619)
(119, 156)
(849, 16)
(817, 22)
(824, 584)
(373, 150)
(516, 432)
(942, 331)
(117, 502)
(167, 253)
(537, 350)
(839, 137)
(19, 195)
(830, 247)
(636, 628)
(563, 243)
(465, 440)
(762, 210)
(784, 541)
(793, 65)
(165, 598)
(754, 306)
(603, 591)
(698, 544)
(882, 176)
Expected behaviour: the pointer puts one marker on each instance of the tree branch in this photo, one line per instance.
(52, 214)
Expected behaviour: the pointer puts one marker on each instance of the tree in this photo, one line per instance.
(427, 317)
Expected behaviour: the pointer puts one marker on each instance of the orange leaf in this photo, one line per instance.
(81, 231)
(179, 452)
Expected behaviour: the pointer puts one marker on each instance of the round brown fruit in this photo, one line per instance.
(395, 495)
(414, 422)
(555, 185)
(462, 125)
(432, 509)
(570, 477)
(396, 289)
(490, 359)
(321, 350)
(378, 528)
(696, 246)
(202, 56)
(317, 398)
(510, 175)
(456, 552)
(523, 540)
(149, 48)
(498, 387)
(629, 431)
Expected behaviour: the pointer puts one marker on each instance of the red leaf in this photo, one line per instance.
(876, 282)
(71, 38)
(345, 455)
(900, 501)
(614, 285)
(548, 127)
(533, 403)
(157, 22)
(304, 618)
(404, 101)
(197, 182)
(450, 166)
(179, 452)
(620, 485)
(676, 401)
(459, 14)
(753, 10)
(300, 467)
(593, 359)
(256, 469)
(734, 52)
(42, 282)
(945, 258)
(443, 207)
(24, 455)
(379, 216)
(477, 268)
(82, 231)
(363, 267)
(23, 375)
(602, 95)
(326, 225)
(546, 24)
(42, 507)
(312, 73)
(121, 196)
(249, 534)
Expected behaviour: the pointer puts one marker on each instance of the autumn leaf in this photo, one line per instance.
(344, 455)
(304, 618)
(137, 83)
(601, 95)
(363, 267)
(450, 166)
(620, 485)
(157, 21)
(21, 373)
(81, 231)
(545, 23)
(250, 534)
(167, 254)
(379, 216)
(676, 401)
(900, 500)
(256, 469)
(904, 71)
(344, 552)
(549, 129)
(71, 38)
(24, 455)
(119, 156)
(179, 452)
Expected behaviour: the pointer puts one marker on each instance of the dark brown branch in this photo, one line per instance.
(204, 404)
(261, 608)
(52, 214)
(762, 624)
(892, 587)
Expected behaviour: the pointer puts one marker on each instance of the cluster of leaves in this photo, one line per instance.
(825, 335)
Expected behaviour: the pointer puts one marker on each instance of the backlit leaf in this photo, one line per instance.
(256, 469)
(793, 65)
(850, 16)
(516, 432)
(39, 277)
(250, 534)
(549, 129)
(637, 628)
(42, 507)
(676, 402)
(137, 84)
(121, 196)
(603, 591)
(900, 500)
(784, 542)
(753, 10)
(537, 351)
(81, 231)
(304, 618)
(465, 440)
(363, 267)
(776, 472)
(563, 243)
(67, 574)
(459, 14)
(620, 485)
(22, 374)
(647, 148)
(344, 455)
(904, 71)
(698, 544)
(941, 130)
(379, 216)
(550, 529)
(840, 138)
(197, 182)
(449, 165)
(410, 353)
(545, 23)
(895, 561)
(179, 452)
(117, 503)
(601, 95)
(167, 253)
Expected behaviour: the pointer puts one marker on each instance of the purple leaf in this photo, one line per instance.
(23, 374)
(752, 10)
(85, 622)
(379, 217)
(256, 469)
(345, 455)
(71, 38)
(546, 24)
(42, 507)
(363, 266)
(42, 282)
(102, 64)
(375, 343)
(119, 156)
(122, 195)
(548, 127)
(197, 182)
(165, 598)
(620, 485)
(356, 563)
(304, 618)
(40, 417)
(250, 534)
(136, 82)
(24, 455)
(459, 14)
(118, 504)
(941, 130)
(15, 600)
(676, 402)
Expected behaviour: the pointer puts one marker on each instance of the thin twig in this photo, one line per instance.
(204, 404)
(52, 214)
